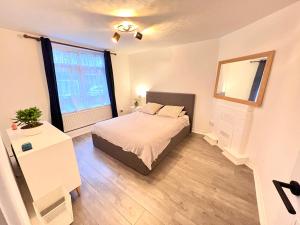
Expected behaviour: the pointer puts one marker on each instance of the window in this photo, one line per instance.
(81, 79)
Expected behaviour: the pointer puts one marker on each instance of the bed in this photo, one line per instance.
(143, 149)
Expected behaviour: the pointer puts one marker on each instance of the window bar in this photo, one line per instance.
(66, 44)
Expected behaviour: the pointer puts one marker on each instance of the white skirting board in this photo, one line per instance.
(80, 131)
(250, 164)
(235, 158)
(196, 131)
(211, 139)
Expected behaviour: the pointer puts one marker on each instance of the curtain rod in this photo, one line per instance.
(66, 44)
(257, 61)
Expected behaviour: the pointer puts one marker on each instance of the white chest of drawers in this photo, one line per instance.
(50, 163)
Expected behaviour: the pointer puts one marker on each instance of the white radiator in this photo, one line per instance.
(76, 120)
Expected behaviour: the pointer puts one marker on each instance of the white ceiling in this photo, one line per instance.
(163, 22)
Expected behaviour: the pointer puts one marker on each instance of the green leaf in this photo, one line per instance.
(28, 116)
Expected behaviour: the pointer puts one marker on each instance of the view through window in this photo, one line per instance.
(81, 79)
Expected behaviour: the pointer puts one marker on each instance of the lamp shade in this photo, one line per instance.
(138, 35)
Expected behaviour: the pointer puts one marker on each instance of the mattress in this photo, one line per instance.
(142, 134)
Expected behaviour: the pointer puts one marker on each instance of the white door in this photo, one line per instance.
(284, 217)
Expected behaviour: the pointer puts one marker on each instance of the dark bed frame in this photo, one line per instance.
(129, 158)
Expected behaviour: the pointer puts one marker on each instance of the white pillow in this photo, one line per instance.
(151, 108)
(182, 113)
(170, 111)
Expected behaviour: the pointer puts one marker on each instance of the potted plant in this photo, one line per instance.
(28, 119)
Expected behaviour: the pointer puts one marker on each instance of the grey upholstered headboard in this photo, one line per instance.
(168, 98)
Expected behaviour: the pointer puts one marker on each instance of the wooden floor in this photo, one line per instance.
(195, 184)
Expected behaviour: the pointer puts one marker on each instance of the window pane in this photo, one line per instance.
(81, 79)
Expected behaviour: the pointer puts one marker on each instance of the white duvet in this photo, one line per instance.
(142, 134)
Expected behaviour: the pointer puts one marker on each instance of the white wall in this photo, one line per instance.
(22, 77)
(275, 133)
(122, 81)
(186, 68)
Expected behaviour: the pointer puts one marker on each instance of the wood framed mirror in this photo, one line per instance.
(244, 79)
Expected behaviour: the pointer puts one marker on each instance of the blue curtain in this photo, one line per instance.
(110, 83)
(56, 117)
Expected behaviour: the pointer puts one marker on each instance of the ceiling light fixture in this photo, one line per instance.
(126, 27)
(116, 37)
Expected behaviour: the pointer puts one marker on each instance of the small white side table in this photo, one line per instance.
(50, 163)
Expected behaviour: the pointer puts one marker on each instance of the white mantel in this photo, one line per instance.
(229, 129)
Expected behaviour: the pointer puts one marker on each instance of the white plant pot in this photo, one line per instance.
(33, 131)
